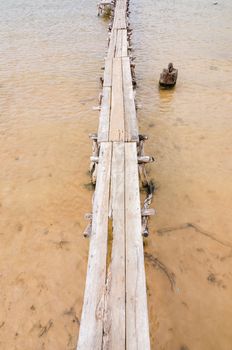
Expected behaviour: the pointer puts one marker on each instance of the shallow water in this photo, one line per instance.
(190, 133)
(51, 55)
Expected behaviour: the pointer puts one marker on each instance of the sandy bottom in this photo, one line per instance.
(189, 252)
(45, 193)
(42, 252)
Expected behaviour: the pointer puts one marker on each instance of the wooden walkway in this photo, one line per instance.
(114, 314)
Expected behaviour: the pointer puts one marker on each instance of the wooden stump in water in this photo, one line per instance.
(168, 77)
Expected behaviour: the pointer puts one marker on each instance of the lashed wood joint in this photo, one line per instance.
(145, 159)
(95, 155)
(146, 212)
(94, 159)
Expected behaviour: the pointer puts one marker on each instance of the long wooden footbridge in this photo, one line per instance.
(114, 314)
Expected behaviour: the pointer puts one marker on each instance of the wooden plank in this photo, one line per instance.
(114, 328)
(118, 52)
(105, 2)
(121, 43)
(112, 44)
(120, 17)
(137, 328)
(131, 128)
(116, 19)
(91, 327)
(108, 73)
(104, 119)
(124, 43)
(117, 109)
(123, 22)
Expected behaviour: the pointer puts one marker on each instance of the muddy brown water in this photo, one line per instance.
(51, 54)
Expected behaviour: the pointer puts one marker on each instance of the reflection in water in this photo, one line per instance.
(165, 99)
(51, 54)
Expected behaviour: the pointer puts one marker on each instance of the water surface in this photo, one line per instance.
(190, 133)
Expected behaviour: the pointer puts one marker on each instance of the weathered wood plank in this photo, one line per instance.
(137, 328)
(118, 52)
(114, 328)
(120, 17)
(91, 328)
(108, 73)
(116, 20)
(105, 2)
(104, 119)
(123, 19)
(112, 44)
(121, 43)
(117, 107)
(131, 128)
(124, 43)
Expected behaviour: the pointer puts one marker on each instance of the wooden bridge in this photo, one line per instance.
(114, 314)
